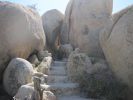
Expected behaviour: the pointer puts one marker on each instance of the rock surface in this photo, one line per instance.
(18, 72)
(47, 95)
(25, 92)
(45, 65)
(52, 22)
(117, 44)
(83, 21)
(42, 54)
(33, 60)
(21, 32)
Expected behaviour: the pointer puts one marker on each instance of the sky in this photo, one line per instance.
(45, 5)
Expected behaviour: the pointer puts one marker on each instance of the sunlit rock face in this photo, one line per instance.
(117, 44)
(21, 32)
(84, 19)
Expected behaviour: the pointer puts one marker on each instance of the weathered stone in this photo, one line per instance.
(27, 92)
(18, 72)
(47, 95)
(66, 50)
(83, 22)
(52, 22)
(117, 44)
(21, 33)
(42, 76)
(24, 93)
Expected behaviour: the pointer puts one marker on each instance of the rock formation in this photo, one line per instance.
(19, 72)
(27, 92)
(52, 22)
(117, 44)
(21, 33)
(82, 24)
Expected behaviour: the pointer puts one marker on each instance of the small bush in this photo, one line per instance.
(57, 54)
(102, 83)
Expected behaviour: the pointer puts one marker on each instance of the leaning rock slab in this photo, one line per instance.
(117, 44)
(21, 33)
(19, 72)
(83, 21)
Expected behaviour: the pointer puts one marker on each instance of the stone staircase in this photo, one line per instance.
(60, 85)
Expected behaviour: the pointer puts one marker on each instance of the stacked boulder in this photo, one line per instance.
(19, 72)
(21, 33)
(22, 37)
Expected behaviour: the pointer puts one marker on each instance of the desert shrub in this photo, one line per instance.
(58, 55)
(102, 83)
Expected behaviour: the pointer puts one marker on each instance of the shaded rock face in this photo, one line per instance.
(18, 72)
(83, 21)
(52, 22)
(117, 44)
(21, 32)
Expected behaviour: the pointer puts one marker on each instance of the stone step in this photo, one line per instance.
(75, 97)
(60, 89)
(59, 63)
(58, 71)
(61, 68)
(57, 79)
(53, 66)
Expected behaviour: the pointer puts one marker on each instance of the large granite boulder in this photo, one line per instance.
(83, 21)
(19, 72)
(52, 22)
(117, 44)
(21, 33)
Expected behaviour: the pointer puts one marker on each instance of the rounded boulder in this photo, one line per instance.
(19, 72)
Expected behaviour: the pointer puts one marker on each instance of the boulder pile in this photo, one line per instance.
(94, 46)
